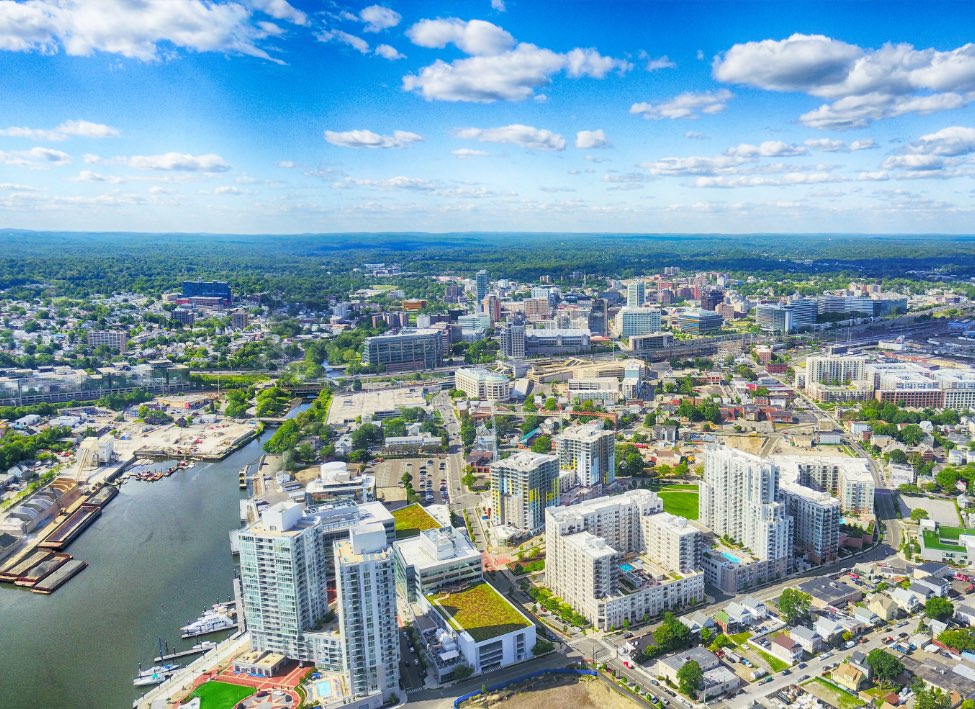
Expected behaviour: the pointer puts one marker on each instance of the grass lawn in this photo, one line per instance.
(411, 520)
(845, 699)
(945, 539)
(220, 695)
(682, 503)
(480, 610)
(740, 638)
(775, 663)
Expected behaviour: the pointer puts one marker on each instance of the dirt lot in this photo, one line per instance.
(941, 511)
(749, 444)
(563, 692)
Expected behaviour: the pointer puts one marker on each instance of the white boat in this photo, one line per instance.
(210, 622)
(205, 646)
(154, 675)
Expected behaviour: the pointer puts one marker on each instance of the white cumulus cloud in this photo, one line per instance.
(369, 139)
(468, 153)
(387, 51)
(68, 129)
(35, 158)
(689, 104)
(137, 29)
(497, 68)
(658, 63)
(768, 149)
(589, 139)
(516, 134)
(863, 85)
(185, 162)
(379, 18)
(350, 40)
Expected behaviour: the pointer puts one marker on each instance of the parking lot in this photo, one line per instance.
(425, 471)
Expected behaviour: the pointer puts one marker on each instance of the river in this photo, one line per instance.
(157, 556)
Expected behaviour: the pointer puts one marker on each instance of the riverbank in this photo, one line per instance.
(157, 556)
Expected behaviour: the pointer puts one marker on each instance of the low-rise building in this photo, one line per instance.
(433, 560)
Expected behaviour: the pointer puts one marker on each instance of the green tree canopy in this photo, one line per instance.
(794, 605)
(689, 678)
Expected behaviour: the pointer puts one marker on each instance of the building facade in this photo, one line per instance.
(590, 451)
(522, 486)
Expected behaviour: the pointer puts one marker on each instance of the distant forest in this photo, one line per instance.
(310, 268)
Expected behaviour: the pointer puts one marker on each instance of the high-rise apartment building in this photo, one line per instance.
(834, 370)
(816, 521)
(738, 500)
(480, 288)
(113, 339)
(598, 317)
(589, 451)
(482, 384)
(283, 580)
(635, 294)
(522, 486)
(366, 594)
(849, 479)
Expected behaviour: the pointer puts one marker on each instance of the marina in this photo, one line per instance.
(167, 545)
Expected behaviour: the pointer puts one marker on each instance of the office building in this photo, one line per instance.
(621, 559)
(116, 340)
(480, 289)
(599, 318)
(711, 299)
(589, 451)
(699, 322)
(522, 486)
(409, 349)
(366, 596)
(816, 521)
(239, 319)
(738, 500)
(548, 341)
(513, 339)
(636, 294)
(492, 307)
(637, 321)
(208, 290)
(604, 391)
(642, 344)
(433, 560)
(535, 308)
(483, 385)
(786, 317)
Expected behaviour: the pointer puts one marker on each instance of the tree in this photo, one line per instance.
(706, 635)
(886, 668)
(672, 634)
(932, 698)
(847, 636)
(939, 608)
(689, 678)
(917, 514)
(542, 444)
(897, 456)
(794, 605)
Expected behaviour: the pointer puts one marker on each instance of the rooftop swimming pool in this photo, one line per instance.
(626, 568)
(731, 557)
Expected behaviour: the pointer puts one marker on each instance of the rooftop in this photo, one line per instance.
(413, 519)
(480, 611)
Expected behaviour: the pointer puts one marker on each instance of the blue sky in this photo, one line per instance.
(316, 116)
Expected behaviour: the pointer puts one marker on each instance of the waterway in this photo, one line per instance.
(157, 557)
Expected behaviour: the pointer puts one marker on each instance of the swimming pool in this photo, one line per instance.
(626, 568)
(323, 688)
(731, 557)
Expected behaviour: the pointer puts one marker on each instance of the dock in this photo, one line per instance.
(184, 653)
(69, 529)
(53, 582)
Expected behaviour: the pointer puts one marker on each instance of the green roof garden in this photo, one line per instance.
(413, 519)
(480, 610)
(945, 538)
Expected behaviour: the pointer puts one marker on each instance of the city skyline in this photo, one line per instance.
(265, 116)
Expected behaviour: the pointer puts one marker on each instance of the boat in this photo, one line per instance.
(242, 478)
(205, 646)
(210, 622)
(154, 675)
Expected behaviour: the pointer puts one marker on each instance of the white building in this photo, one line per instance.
(337, 483)
(816, 521)
(632, 321)
(522, 486)
(618, 559)
(367, 603)
(738, 500)
(848, 478)
(434, 559)
(483, 385)
(635, 294)
(590, 451)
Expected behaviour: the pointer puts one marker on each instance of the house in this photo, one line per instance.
(738, 615)
(965, 614)
(758, 609)
(932, 568)
(718, 681)
(923, 591)
(858, 660)
(827, 592)
(786, 649)
(829, 630)
(885, 607)
(669, 666)
(865, 615)
(807, 638)
(849, 677)
(697, 621)
(905, 600)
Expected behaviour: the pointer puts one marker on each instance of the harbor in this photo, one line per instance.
(155, 557)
